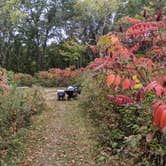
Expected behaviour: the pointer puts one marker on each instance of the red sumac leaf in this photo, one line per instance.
(92, 65)
(117, 82)
(126, 84)
(157, 103)
(132, 20)
(157, 114)
(159, 90)
(163, 120)
(151, 86)
(140, 94)
(123, 100)
(110, 79)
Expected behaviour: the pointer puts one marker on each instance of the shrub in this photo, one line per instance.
(24, 79)
(57, 77)
(16, 110)
(127, 131)
(125, 93)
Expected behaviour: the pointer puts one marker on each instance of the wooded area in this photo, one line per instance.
(39, 34)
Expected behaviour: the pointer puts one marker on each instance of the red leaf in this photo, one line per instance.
(92, 65)
(110, 79)
(135, 48)
(159, 90)
(150, 86)
(161, 24)
(157, 85)
(120, 100)
(115, 40)
(157, 103)
(6, 95)
(144, 28)
(163, 120)
(149, 65)
(126, 84)
(157, 114)
(132, 20)
(117, 82)
(145, 62)
(140, 94)
(123, 100)
(4, 86)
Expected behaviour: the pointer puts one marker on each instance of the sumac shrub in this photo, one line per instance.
(126, 92)
(58, 77)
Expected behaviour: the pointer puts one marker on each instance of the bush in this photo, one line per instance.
(127, 131)
(24, 79)
(16, 110)
(46, 82)
(57, 77)
(126, 92)
(51, 78)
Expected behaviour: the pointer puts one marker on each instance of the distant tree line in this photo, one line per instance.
(41, 34)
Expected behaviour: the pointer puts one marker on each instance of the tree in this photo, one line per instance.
(29, 27)
(94, 18)
(25, 39)
(67, 53)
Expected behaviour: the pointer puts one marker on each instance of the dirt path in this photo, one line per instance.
(66, 138)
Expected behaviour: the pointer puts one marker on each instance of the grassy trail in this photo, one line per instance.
(64, 136)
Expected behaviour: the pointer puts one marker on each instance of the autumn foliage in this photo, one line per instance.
(126, 91)
(58, 77)
(4, 88)
(133, 64)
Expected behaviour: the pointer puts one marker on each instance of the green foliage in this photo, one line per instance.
(95, 17)
(26, 33)
(46, 82)
(68, 53)
(16, 111)
(25, 82)
(14, 6)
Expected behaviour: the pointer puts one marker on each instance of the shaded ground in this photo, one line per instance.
(64, 137)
